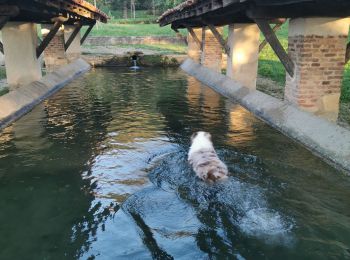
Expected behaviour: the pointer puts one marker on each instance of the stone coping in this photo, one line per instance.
(20, 101)
(325, 139)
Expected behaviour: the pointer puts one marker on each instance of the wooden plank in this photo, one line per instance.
(87, 33)
(72, 36)
(3, 21)
(194, 36)
(264, 42)
(272, 39)
(48, 38)
(347, 55)
(219, 38)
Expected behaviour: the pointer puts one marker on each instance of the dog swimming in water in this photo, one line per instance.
(204, 160)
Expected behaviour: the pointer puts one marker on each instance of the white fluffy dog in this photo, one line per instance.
(204, 160)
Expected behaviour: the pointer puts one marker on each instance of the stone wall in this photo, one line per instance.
(317, 46)
(107, 40)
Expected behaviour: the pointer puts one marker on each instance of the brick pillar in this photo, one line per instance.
(74, 50)
(194, 50)
(242, 63)
(317, 46)
(20, 42)
(54, 54)
(211, 50)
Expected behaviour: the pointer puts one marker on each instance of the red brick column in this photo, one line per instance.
(211, 50)
(317, 46)
(193, 49)
(55, 54)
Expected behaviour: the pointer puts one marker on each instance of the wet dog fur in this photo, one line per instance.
(204, 160)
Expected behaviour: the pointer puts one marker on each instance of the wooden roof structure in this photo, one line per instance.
(44, 11)
(198, 13)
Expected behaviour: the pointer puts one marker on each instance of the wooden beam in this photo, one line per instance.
(3, 21)
(347, 55)
(87, 33)
(194, 36)
(264, 42)
(272, 39)
(72, 36)
(2, 48)
(219, 38)
(9, 10)
(48, 38)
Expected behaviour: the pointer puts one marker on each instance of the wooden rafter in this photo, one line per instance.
(264, 42)
(347, 55)
(72, 36)
(87, 33)
(272, 39)
(194, 36)
(219, 38)
(48, 38)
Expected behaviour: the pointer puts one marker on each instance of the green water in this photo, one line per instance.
(99, 171)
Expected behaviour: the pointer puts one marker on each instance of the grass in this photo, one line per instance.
(122, 28)
(160, 48)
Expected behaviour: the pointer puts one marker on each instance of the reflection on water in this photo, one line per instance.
(100, 171)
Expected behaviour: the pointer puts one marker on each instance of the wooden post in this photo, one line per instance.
(219, 38)
(272, 39)
(87, 33)
(264, 42)
(194, 36)
(72, 36)
(48, 38)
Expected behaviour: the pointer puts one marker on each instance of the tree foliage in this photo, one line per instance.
(151, 5)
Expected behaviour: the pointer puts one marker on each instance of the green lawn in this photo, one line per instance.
(121, 28)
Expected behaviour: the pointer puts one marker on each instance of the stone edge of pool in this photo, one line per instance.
(325, 139)
(20, 101)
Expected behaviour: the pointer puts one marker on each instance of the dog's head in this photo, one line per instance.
(200, 134)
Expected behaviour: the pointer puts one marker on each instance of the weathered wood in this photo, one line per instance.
(48, 38)
(3, 21)
(264, 42)
(194, 36)
(219, 38)
(87, 33)
(72, 36)
(347, 55)
(1, 48)
(9, 10)
(272, 39)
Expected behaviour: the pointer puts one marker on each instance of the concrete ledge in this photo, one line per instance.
(325, 139)
(18, 102)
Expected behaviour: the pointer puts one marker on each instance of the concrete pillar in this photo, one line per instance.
(242, 63)
(317, 46)
(54, 54)
(20, 42)
(211, 50)
(74, 50)
(194, 50)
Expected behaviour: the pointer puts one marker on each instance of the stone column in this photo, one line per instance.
(194, 50)
(74, 50)
(20, 43)
(317, 46)
(54, 54)
(211, 50)
(242, 62)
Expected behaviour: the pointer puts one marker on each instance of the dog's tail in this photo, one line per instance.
(216, 175)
